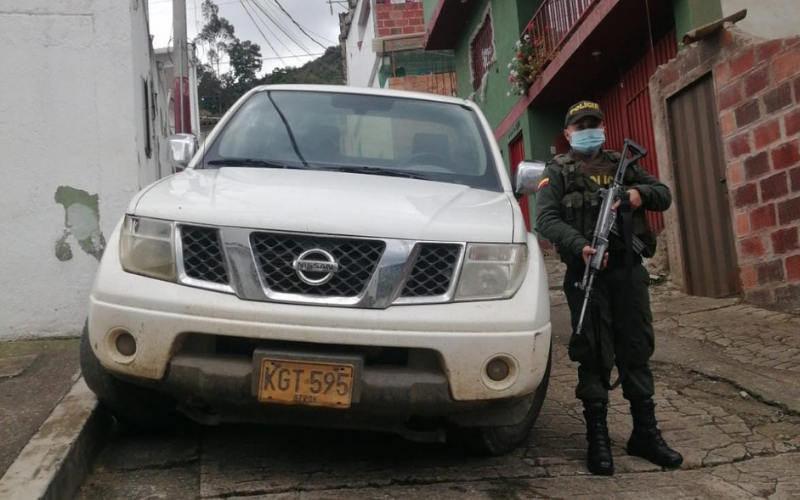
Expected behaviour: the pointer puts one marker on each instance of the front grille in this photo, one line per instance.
(433, 271)
(202, 254)
(357, 261)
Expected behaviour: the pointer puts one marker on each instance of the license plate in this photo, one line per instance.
(310, 384)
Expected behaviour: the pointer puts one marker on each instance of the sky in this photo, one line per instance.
(313, 15)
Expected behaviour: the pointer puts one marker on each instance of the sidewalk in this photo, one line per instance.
(34, 376)
(756, 349)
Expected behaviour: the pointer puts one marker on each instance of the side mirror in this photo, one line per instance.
(529, 174)
(180, 150)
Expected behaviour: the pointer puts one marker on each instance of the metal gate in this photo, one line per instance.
(516, 153)
(710, 266)
(627, 110)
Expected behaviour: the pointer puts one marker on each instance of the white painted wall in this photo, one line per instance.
(71, 117)
(766, 18)
(362, 64)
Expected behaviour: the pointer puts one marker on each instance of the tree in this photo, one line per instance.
(245, 60)
(218, 91)
(217, 33)
(209, 89)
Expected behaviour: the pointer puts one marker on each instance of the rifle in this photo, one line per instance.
(606, 223)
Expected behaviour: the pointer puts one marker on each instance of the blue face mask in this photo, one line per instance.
(587, 142)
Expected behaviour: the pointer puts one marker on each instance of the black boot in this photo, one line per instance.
(599, 460)
(646, 440)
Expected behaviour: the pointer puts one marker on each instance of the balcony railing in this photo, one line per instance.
(550, 27)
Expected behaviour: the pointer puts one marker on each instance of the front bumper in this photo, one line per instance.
(465, 336)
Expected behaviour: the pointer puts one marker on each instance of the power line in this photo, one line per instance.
(283, 28)
(317, 54)
(298, 25)
(323, 38)
(274, 16)
(286, 31)
(262, 33)
(259, 13)
(169, 11)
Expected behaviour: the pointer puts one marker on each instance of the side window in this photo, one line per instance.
(481, 50)
(148, 146)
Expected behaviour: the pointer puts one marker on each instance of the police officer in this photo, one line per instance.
(568, 205)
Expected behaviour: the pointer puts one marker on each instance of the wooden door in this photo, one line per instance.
(709, 254)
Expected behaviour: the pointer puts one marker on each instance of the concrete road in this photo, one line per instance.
(734, 447)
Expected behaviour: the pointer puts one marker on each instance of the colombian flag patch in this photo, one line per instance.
(544, 182)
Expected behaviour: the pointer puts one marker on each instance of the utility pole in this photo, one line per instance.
(181, 71)
(340, 2)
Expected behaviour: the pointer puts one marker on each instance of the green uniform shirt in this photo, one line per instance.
(568, 202)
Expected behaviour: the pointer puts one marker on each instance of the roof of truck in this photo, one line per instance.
(406, 94)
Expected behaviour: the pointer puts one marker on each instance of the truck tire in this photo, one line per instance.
(498, 440)
(133, 406)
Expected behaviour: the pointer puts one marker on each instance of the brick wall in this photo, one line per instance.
(757, 85)
(442, 84)
(399, 18)
(758, 97)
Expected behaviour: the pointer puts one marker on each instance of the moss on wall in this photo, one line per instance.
(81, 221)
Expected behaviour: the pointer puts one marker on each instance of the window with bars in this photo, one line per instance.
(482, 51)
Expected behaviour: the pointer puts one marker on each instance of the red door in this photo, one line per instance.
(516, 153)
(627, 109)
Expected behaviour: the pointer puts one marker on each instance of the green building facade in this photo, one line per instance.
(540, 124)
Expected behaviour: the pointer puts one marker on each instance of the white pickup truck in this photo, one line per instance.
(330, 256)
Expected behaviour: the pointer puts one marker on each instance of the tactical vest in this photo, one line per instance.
(581, 202)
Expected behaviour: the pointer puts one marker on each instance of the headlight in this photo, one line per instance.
(146, 247)
(492, 271)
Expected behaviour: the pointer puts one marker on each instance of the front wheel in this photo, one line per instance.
(498, 440)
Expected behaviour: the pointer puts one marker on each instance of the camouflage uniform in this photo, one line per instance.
(568, 205)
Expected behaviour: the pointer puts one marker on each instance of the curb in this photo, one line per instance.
(56, 460)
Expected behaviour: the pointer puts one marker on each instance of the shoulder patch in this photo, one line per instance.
(544, 182)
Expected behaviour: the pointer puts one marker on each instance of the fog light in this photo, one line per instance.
(497, 369)
(126, 344)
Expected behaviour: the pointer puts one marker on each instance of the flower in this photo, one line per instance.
(528, 62)
(508, 94)
(529, 27)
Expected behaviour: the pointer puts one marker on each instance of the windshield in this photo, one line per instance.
(358, 134)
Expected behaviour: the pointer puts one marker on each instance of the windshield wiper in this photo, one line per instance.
(253, 162)
(288, 129)
(358, 169)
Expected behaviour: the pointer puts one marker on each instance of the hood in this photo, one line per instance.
(335, 203)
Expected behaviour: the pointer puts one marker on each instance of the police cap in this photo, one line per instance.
(582, 110)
